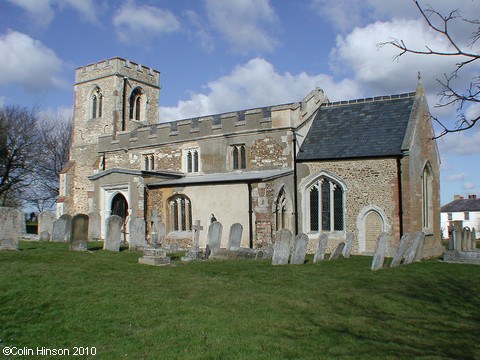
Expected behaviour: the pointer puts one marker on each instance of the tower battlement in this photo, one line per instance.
(117, 66)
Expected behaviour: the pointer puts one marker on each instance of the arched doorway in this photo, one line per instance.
(371, 221)
(120, 208)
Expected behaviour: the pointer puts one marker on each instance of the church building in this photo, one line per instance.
(361, 166)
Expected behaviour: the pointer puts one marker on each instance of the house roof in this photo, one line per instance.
(230, 177)
(373, 127)
(461, 205)
(143, 173)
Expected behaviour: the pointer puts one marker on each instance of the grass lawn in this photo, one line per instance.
(51, 297)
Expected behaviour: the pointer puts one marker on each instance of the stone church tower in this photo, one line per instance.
(110, 98)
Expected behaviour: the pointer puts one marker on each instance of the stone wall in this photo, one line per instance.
(367, 182)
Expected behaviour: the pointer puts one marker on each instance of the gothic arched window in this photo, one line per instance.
(281, 220)
(96, 103)
(180, 213)
(427, 197)
(136, 104)
(325, 206)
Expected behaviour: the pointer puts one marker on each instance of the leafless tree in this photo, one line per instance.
(54, 136)
(465, 54)
(19, 148)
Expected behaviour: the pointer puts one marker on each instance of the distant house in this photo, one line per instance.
(460, 209)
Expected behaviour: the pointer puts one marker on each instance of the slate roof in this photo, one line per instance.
(461, 205)
(373, 127)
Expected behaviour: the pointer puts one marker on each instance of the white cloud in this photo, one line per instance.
(255, 84)
(245, 24)
(28, 63)
(469, 186)
(456, 177)
(136, 22)
(42, 12)
(461, 143)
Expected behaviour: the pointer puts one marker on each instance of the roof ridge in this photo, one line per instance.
(371, 99)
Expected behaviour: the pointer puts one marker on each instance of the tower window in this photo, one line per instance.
(239, 157)
(149, 162)
(96, 103)
(136, 104)
(191, 161)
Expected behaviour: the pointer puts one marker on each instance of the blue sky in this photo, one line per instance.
(217, 56)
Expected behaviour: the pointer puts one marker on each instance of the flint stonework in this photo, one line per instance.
(380, 251)
(79, 233)
(322, 245)
(299, 249)
(113, 235)
(11, 221)
(281, 249)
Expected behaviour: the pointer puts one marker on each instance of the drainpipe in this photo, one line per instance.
(250, 215)
(124, 113)
(295, 185)
(400, 195)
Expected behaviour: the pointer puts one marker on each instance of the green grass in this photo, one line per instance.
(241, 309)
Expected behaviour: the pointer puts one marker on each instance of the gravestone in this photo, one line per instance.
(45, 225)
(61, 228)
(214, 236)
(412, 247)
(207, 252)
(338, 251)
(348, 245)
(474, 238)
(113, 234)
(235, 236)
(193, 252)
(79, 233)
(94, 226)
(155, 222)
(281, 249)
(322, 245)
(380, 251)
(137, 234)
(154, 256)
(11, 221)
(299, 249)
(173, 248)
(419, 251)
(402, 248)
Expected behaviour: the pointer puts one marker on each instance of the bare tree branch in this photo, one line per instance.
(450, 94)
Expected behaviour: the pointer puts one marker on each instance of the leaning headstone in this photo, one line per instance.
(348, 245)
(400, 254)
(61, 228)
(113, 234)
(214, 236)
(281, 249)
(235, 236)
(412, 247)
(421, 241)
(45, 225)
(94, 226)
(79, 233)
(137, 234)
(11, 221)
(322, 245)
(173, 248)
(299, 249)
(338, 251)
(457, 228)
(380, 251)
